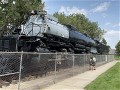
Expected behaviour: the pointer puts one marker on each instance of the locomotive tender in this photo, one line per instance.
(43, 33)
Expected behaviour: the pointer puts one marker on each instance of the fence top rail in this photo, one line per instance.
(62, 53)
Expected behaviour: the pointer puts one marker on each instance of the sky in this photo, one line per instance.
(105, 12)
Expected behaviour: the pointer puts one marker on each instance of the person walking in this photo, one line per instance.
(90, 63)
(94, 63)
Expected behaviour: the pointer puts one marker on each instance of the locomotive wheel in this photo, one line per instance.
(71, 49)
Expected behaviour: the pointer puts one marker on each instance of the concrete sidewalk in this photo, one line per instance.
(80, 81)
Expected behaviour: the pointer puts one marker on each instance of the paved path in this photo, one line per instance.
(80, 81)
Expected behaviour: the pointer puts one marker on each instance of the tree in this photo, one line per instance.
(104, 41)
(14, 12)
(118, 48)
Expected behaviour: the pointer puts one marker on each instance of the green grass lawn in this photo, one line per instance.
(110, 80)
(117, 57)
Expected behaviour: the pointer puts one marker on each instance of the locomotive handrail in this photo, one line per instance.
(31, 30)
(33, 23)
(28, 24)
(39, 25)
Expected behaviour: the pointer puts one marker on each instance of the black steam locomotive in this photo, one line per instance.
(42, 33)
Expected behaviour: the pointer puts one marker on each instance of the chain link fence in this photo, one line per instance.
(9, 69)
(34, 71)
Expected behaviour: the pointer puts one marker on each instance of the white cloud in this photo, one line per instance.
(113, 33)
(102, 7)
(112, 25)
(72, 10)
(112, 37)
(116, 25)
(108, 23)
(119, 24)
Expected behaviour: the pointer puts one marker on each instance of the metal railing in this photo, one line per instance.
(30, 71)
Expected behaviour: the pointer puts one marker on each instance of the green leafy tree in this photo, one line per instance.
(104, 41)
(14, 12)
(118, 48)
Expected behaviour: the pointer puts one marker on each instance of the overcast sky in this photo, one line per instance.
(105, 12)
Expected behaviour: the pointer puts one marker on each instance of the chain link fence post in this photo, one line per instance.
(84, 64)
(20, 70)
(106, 58)
(55, 66)
(73, 63)
(100, 60)
(113, 57)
